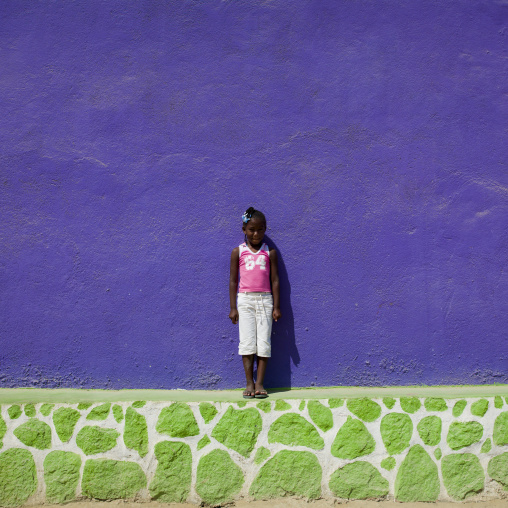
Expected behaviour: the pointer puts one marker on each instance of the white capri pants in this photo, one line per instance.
(255, 323)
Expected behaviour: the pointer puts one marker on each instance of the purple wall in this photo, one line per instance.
(373, 134)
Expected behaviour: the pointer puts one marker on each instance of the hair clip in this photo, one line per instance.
(246, 217)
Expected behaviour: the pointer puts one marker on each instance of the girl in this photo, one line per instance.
(257, 303)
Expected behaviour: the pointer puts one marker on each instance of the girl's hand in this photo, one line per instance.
(233, 315)
(276, 314)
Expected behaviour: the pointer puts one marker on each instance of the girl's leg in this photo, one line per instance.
(264, 347)
(260, 378)
(247, 346)
(248, 365)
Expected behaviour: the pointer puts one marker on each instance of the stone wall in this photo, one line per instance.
(407, 448)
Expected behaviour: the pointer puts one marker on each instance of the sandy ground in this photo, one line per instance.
(291, 503)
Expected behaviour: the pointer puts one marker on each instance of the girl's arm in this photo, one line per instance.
(274, 275)
(233, 284)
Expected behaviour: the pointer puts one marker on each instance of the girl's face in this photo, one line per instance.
(254, 231)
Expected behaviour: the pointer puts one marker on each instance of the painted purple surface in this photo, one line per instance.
(133, 134)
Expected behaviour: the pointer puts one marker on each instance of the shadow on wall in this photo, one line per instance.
(278, 374)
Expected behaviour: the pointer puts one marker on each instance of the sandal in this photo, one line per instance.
(248, 394)
(261, 394)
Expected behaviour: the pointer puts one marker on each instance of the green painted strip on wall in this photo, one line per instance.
(35, 395)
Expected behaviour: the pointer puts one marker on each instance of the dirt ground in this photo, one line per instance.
(290, 503)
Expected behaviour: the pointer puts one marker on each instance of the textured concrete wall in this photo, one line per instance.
(408, 449)
(133, 135)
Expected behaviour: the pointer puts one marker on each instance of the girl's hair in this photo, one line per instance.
(252, 213)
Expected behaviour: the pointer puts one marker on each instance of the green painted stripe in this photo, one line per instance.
(71, 396)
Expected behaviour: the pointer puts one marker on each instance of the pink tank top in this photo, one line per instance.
(254, 270)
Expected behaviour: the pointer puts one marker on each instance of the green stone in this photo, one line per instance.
(358, 480)
(64, 420)
(353, 440)
(14, 412)
(365, 409)
(241, 403)
(320, 415)
(100, 412)
(138, 404)
(333, 403)
(238, 429)
(288, 473)
(208, 411)
(172, 480)
(117, 413)
(458, 408)
(417, 478)
(463, 475)
(18, 477)
(438, 453)
(46, 409)
(487, 446)
(291, 429)
(219, 479)
(396, 432)
(479, 408)
(177, 420)
(389, 402)
(107, 479)
(389, 463)
(265, 406)
(497, 469)
(30, 410)
(261, 455)
(435, 404)
(281, 405)
(462, 434)
(301, 407)
(96, 440)
(135, 434)
(429, 429)
(410, 404)
(84, 405)
(498, 402)
(205, 440)
(34, 433)
(61, 475)
(501, 429)
(3, 429)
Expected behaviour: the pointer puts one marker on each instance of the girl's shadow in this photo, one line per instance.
(278, 374)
